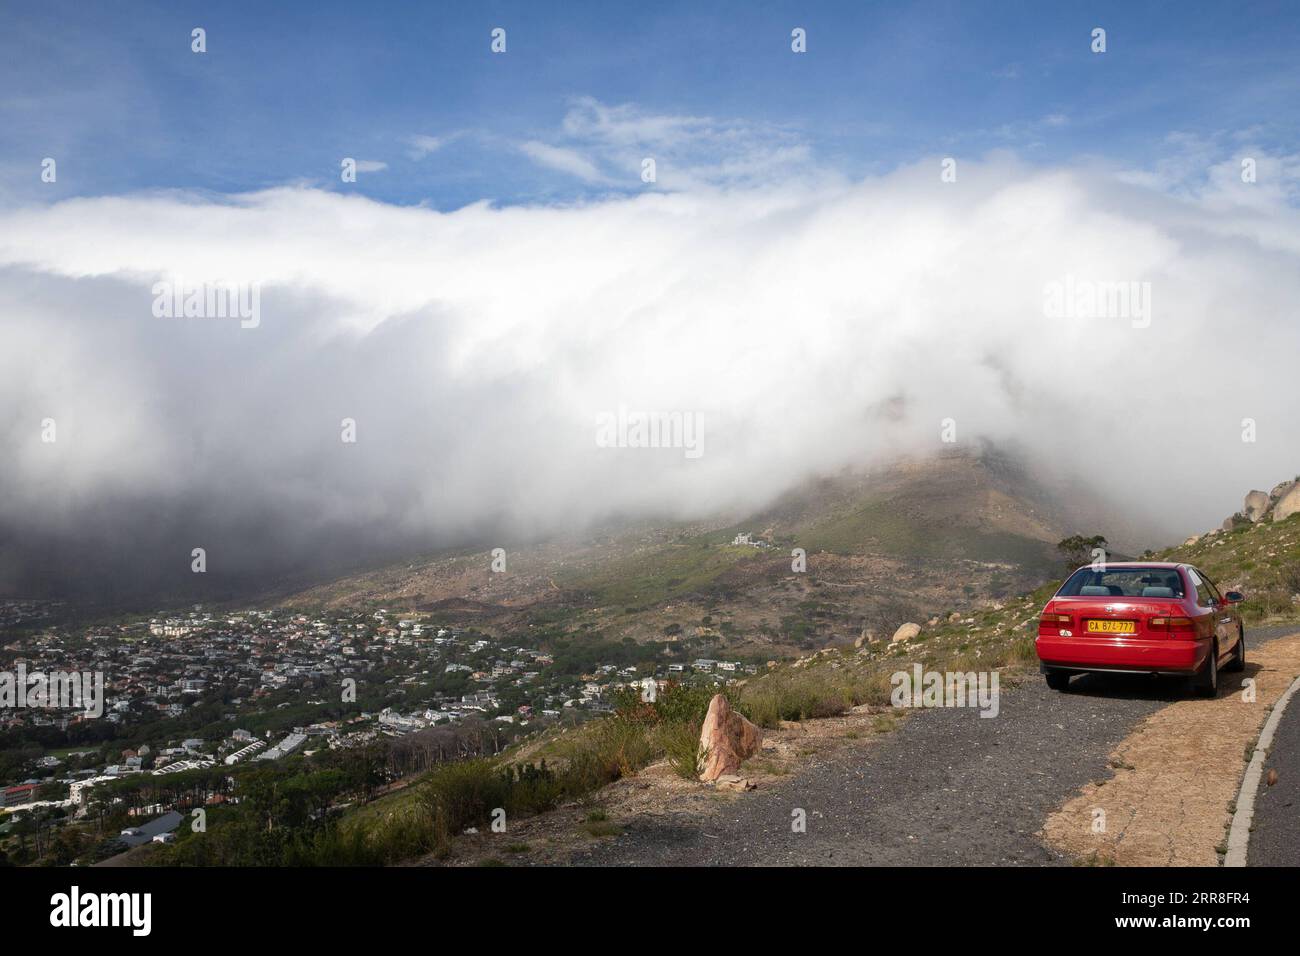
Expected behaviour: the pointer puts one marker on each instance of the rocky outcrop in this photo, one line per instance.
(1278, 504)
(905, 633)
(726, 740)
(1288, 504)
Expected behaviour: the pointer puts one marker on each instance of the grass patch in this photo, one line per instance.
(809, 693)
(649, 577)
(881, 525)
(884, 724)
(430, 814)
(601, 829)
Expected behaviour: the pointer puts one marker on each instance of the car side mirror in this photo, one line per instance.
(1234, 597)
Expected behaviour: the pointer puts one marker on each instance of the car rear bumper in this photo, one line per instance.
(1143, 656)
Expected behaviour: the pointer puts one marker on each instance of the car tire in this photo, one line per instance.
(1238, 662)
(1206, 683)
(1058, 680)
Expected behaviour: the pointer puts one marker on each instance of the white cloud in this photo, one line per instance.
(475, 348)
(564, 160)
(422, 146)
(371, 166)
(605, 145)
(689, 151)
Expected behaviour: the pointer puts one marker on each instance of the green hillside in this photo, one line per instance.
(1260, 560)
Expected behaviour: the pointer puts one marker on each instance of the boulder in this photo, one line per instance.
(868, 636)
(1256, 505)
(1281, 488)
(1234, 521)
(731, 781)
(1287, 505)
(727, 738)
(905, 632)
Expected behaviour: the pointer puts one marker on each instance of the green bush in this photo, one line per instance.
(680, 742)
(686, 703)
(465, 794)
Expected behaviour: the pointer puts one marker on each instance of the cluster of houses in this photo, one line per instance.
(254, 662)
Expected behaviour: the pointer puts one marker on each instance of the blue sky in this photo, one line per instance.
(114, 93)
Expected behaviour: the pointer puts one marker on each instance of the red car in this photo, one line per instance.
(1145, 618)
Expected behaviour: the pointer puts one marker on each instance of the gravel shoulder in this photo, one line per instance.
(1170, 800)
(947, 787)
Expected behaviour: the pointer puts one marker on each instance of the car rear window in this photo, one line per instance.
(1123, 582)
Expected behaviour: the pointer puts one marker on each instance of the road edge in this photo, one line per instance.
(1244, 814)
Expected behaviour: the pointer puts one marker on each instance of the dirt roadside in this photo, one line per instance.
(553, 838)
(944, 786)
(1176, 776)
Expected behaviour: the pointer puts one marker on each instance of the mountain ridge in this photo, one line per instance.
(914, 537)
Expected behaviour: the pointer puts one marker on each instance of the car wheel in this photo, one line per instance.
(1058, 680)
(1238, 662)
(1206, 683)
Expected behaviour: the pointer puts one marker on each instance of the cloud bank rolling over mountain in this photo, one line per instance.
(811, 322)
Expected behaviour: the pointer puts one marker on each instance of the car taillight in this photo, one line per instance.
(1052, 622)
(1171, 624)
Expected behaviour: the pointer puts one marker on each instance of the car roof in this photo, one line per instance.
(1158, 565)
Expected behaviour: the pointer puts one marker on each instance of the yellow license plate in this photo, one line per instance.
(1111, 627)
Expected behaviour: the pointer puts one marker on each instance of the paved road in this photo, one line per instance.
(947, 788)
(1275, 830)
